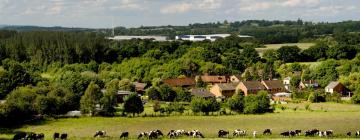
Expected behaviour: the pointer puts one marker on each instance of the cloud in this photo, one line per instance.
(177, 8)
(256, 6)
(299, 3)
(200, 5)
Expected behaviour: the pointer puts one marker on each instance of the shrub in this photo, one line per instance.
(316, 97)
(236, 103)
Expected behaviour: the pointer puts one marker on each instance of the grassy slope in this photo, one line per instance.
(302, 46)
(325, 116)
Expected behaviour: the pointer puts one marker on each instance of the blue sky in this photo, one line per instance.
(134, 13)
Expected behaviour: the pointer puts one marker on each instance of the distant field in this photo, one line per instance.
(339, 117)
(302, 46)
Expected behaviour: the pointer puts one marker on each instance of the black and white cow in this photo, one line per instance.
(223, 133)
(327, 133)
(155, 134)
(19, 136)
(239, 132)
(100, 133)
(285, 134)
(267, 132)
(56, 136)
(312, 132)
(63, 136)
(357, 133)
(143, 135)
(31, 136)
(40, 136)
(124, 135)
(298, 132)
(348, 134)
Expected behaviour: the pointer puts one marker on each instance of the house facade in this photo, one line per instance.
(224, 90)
(337, 87)
(308, 84)
(274, 86)
(250, 87)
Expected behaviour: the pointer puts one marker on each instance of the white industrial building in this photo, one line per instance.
(211, 37)
(156, 38)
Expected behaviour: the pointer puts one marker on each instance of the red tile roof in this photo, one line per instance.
(178, 82)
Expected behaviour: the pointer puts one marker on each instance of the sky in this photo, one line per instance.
(135, 13)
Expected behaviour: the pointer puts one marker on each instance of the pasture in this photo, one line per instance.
(302, 46)
(339, 117)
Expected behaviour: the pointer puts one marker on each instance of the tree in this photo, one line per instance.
(20, 105)
(236, 103)
(325, 72)
(264, 101)
(288, 53)
(133, 104)
(109, 100)
(167, 93)
(315, 52)
(295, 81)
(57, 101)
(341, 52)
(259, 103)
(250, 55)
(90, 99)
(251, 104)
(197, 104)
(153, 93)
(126, 84)
(182, 95)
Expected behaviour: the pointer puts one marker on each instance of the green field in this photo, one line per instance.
(339, 117)
(302, 46)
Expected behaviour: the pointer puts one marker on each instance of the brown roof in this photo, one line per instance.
(273, 84)
(213, 79)
(139, 86)
(201, 92)
(227, 86)
(253, 85)
(180, 82)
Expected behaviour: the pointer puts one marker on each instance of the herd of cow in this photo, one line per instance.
(155, 134)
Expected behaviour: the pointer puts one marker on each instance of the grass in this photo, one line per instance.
(339, 117)
(302, 46)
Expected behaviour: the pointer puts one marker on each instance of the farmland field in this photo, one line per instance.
(302, 46)
(339, 117)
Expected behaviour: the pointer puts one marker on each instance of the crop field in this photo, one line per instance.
(302, 46)
(339, 117)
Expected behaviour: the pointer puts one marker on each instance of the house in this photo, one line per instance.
(336, 86)
(180, 82)
(201, 92)
(235, 78)
(308, 84)
(273, 86)
(250, 87)
(140, 87)
(224, 89)
(286, 82)
(210, 79)
(120, 94)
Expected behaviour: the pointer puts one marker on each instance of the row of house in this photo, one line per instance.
(226, 86)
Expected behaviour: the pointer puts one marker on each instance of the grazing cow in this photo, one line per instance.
(63, 136)
(357, 133)
(143, 135)
(56, 135)
(267, 132)
(31, 136)
(197, 133)
(172, 134)
(312, 132)
(254, 134)
(40, 136)
(348, 134)
(124, 135)
(239, 132)
(223, 133)
(100, 134)
(155, 134)
(292, 133)
(19, 136)
(298, 132)
(285, 134)
(180, 132)
(328, 133)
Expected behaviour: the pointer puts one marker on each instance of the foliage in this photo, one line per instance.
(259, 103)
(316, 97)
(236, 103)
(90, 100)
(133, 104)
(289, 53)
(204, 105)
(167, 93)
